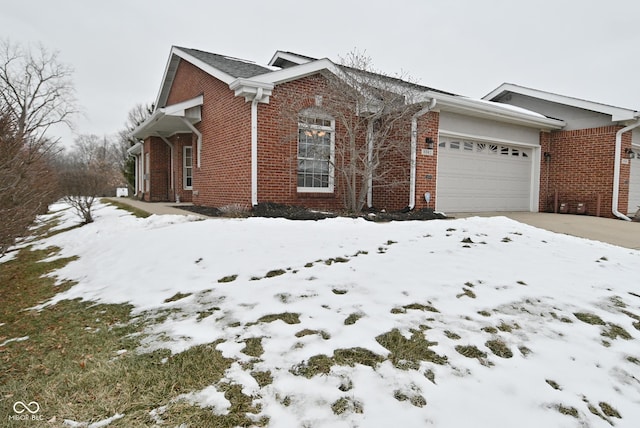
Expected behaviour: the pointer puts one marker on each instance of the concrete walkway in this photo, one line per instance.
(617, 232)
(160, 208)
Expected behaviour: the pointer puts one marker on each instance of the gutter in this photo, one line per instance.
(616, 170)
(414, 143)
(254, 145)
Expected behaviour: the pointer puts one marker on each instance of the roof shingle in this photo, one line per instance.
(234, 67)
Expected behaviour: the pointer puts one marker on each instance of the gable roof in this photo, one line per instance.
(285, 59)
(248, 79)
(235, 67)
(222, 67)
(617, 113)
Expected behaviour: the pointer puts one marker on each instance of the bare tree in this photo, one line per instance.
(37, 91)
(138, 114)
(28, 184)
(372, 113)
(89, 171)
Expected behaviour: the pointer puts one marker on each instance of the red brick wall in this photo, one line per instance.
(179, 141)
(581, 169)
(547, 188)
(391, 180)
(427, 166)
(278, 146)
(158, 169)
(225, 174)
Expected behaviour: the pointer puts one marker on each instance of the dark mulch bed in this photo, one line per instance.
(208, 211)
(292, 212)
(420, 214)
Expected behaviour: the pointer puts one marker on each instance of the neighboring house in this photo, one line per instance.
(594, 159)
(219, 137)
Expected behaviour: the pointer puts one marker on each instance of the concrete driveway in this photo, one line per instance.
(617, 232)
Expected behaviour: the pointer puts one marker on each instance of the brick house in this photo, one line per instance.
(217, 137)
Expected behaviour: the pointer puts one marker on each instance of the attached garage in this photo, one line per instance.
(634, 183)
(477, 176)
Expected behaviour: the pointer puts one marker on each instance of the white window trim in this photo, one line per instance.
(184, 168)
(332, 149)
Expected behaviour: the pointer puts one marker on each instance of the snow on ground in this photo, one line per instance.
(478, 273)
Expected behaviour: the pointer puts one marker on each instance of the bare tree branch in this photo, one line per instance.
(37, 91)
(89, 171)
(28, 184)
(372, 113)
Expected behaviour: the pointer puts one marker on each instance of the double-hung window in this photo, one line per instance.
(187, 167)
(316, 142)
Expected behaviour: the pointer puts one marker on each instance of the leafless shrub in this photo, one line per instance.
(27, 184)
(235, 210)
(89, 171)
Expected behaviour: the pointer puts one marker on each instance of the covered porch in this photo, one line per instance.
(167, 153)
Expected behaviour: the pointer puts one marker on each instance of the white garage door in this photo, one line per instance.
(479, 176)
(634, 184)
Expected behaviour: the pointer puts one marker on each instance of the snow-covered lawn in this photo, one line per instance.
(465, 284)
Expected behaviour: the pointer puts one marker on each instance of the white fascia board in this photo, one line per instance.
(135, 150)
(220, 75)
(186, 109)
(169, 72)
(140, 131)
(617, 113)
(296, 72)
(494, 111)
(288, 57)
(179, 109)
(167, 77)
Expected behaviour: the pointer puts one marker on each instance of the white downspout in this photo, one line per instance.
(616, 171)
(369, 160)
(414, 144)
(173, 187)
(142, 170)
(199, 135)
(254, 146)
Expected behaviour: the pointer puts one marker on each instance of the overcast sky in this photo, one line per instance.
(588, 49)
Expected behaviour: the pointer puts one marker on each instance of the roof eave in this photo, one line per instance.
(189, 110)
(618, 114)
(474, 108)
(296, 72)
